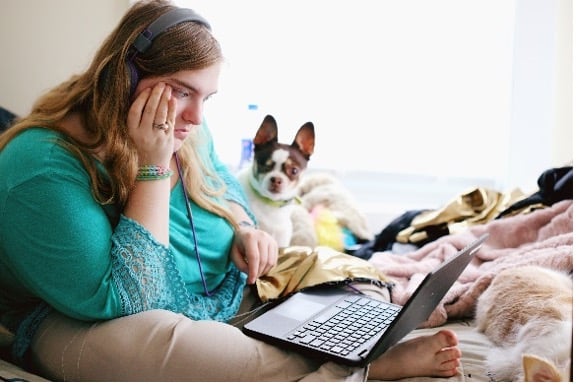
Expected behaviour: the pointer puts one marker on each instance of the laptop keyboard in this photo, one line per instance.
(347, 326)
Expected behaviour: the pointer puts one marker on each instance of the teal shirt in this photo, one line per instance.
(60, 247)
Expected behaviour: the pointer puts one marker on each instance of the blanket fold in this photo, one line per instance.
(543, 237)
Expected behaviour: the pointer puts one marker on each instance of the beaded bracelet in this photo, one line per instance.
(152, 172)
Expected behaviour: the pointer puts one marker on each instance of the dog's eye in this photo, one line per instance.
(269, 165)
(294, 171)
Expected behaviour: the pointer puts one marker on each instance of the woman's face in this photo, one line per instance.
(190, 89)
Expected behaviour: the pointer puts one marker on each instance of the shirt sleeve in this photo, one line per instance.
(60, 245)
(144, 271)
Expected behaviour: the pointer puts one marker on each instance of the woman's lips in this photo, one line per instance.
(181, 133)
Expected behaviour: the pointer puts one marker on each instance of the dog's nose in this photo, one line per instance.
(275, 181)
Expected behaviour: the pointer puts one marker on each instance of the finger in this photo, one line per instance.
(171, 113)
(161, 118)
(252, 259)
(273, 256)
(256, 255)
(268, 254)
(135, 111)
(151, 107)
(253, 273)
(239, 260)
(265, 258)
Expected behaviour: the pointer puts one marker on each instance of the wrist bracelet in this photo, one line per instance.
(247, 224)
(153, 172)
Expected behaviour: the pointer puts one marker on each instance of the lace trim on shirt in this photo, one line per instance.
(25, 333)
(146, 277)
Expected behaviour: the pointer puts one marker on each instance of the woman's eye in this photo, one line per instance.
(180, 93)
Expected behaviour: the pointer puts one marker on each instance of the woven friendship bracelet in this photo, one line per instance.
(153, 172)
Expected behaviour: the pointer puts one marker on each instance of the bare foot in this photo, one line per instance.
(430, 356)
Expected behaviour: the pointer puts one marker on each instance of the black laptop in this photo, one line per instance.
(341, 325)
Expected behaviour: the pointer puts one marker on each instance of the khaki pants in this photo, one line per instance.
(159, 345)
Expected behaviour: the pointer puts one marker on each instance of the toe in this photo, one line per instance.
(448, 354)
(447, 337)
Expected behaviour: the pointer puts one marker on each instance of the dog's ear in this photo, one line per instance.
(305, 139)
(267, 132)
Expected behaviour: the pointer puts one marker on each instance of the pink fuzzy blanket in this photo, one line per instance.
(543, 237)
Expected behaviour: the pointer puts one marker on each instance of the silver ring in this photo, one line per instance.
(161, 126)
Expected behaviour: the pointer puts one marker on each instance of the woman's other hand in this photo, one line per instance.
(254, 252)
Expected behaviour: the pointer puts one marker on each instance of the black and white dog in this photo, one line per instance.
(271, 181)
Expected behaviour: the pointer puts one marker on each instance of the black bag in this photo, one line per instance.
(555, 185)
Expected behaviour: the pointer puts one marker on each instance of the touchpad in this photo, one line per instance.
(298, 308)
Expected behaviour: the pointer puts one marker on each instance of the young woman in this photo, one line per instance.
(125, 242)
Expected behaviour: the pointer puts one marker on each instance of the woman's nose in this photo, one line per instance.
(192, 113)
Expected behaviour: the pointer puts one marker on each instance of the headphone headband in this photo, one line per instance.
(169, 19)
(144, 40)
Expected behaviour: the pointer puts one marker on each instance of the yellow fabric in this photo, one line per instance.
(329, 231)
(475, 206)
(300, 267)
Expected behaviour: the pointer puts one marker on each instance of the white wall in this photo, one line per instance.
(400, 86)
(476, 89)
(541, 113)
(412, 89)
(43, 42)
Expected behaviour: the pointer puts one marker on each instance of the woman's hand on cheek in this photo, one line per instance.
(254, 252)
(151, 109)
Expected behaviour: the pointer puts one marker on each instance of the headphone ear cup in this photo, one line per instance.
(133, 73)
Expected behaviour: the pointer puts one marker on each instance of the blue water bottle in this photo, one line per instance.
(246, 151)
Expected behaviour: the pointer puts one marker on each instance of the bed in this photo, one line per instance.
(542, 236)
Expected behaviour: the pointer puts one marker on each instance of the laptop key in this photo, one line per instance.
(307, 339)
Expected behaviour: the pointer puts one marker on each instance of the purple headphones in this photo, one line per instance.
(157, 27)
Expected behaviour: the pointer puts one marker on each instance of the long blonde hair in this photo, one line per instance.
(101, 97)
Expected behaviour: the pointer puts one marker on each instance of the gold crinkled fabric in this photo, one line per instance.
(473, 207)
(299, 267)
